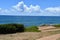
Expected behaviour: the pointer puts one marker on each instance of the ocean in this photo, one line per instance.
(30, 20)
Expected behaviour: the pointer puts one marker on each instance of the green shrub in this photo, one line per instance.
(44, 25)
(11, 28)
(6, 28)
(20, 27)
(32, 29)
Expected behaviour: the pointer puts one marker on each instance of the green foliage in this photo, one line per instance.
(32, 29)
(20, 27)
(44, 25)
(57, 25)
(11, 28)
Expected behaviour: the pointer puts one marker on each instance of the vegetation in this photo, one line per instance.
(19, 27)
(32, 29)
(57, 25)
(44, 25)
(11, 28)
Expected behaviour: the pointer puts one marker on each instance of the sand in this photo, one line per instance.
(52, 37)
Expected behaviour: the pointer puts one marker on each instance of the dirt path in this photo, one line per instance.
(50, 30)
(53, 37)
(20, 36)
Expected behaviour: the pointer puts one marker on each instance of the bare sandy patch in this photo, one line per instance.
(21, 36)
(53, 37)
(48, 28)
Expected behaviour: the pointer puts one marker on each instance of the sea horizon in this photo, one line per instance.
(29, 20)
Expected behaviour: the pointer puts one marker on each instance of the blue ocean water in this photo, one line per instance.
(30, 20)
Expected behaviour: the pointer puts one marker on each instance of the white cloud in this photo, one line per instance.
(53, 9)
(32, 10)
(19, 6)
(0, 8)
(24, 8)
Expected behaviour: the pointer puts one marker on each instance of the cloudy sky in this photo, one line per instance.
(30, 7)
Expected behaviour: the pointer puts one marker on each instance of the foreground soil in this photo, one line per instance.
(30, 36)
(49, 30)
(52, 37)
(21, 36)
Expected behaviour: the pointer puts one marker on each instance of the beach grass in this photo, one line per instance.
(32, 29)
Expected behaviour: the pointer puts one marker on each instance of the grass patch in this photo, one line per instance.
(32, 29)
(57, 25)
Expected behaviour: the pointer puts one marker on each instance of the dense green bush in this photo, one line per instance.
(32, 29)
(11, 28)
(20, 27)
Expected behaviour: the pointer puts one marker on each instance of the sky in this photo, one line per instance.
(30, 7)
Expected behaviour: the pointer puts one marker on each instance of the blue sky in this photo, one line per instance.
(30, 7)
